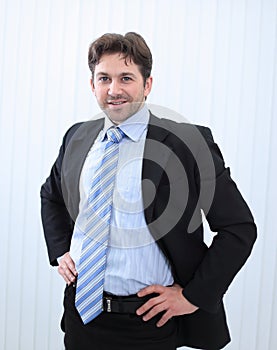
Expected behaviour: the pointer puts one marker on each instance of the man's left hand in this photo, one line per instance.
(170, 300)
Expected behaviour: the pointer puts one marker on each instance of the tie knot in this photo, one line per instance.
(115, 134)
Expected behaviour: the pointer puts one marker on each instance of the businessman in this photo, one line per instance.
(122, 216)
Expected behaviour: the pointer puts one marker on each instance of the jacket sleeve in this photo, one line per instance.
(229, 216)
(56, 221)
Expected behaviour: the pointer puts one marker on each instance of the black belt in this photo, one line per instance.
(124, 304)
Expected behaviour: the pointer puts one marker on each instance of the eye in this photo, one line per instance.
(126, 79)
(103, 79)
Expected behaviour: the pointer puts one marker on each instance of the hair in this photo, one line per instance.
(131, 46)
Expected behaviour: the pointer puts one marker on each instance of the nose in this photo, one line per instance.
(114, 88)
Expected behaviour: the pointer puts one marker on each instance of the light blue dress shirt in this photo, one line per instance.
(134, 260)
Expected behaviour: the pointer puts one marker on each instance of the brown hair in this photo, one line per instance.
(132, 46)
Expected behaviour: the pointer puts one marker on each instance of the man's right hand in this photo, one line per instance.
(67, 269)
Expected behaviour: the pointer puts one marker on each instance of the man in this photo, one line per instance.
(121, 212)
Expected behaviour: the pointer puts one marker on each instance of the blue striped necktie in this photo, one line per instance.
(90, 282)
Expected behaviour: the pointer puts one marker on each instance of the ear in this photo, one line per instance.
(92, 86)
(148, 86)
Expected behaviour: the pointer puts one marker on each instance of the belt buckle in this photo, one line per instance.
(109, 304)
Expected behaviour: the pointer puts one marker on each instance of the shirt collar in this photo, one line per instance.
(133, 127)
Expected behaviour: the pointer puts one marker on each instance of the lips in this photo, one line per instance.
(117, 102)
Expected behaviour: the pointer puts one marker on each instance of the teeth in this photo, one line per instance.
(116, 103)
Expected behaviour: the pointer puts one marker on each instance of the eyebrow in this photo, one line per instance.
(127, 73)
(121, 74)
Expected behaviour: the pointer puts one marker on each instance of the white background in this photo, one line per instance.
(214, 62)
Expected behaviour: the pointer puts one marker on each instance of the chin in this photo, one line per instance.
(117, 118)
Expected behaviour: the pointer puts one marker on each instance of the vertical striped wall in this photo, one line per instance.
(215, 62)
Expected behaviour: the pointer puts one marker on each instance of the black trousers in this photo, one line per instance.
(114, 331)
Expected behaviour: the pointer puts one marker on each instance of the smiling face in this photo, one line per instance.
(119, 87)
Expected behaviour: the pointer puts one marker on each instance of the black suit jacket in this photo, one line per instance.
(183, 176)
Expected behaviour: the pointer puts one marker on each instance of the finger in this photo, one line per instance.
(71, 271)
(64, 276)
(66, 272)
(71, 278)
(149, 304)
(70, 265)
(155, 288)
(67, 260)
(154, 311)
(164, 319)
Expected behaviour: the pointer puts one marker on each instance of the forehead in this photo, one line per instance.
(116, 64)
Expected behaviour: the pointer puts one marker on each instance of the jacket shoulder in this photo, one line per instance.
(177, 126)
(70, 132)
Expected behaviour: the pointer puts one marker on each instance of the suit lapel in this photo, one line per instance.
(74, 158)
(155, 158)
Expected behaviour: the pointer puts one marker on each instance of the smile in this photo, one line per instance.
(117, 102)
